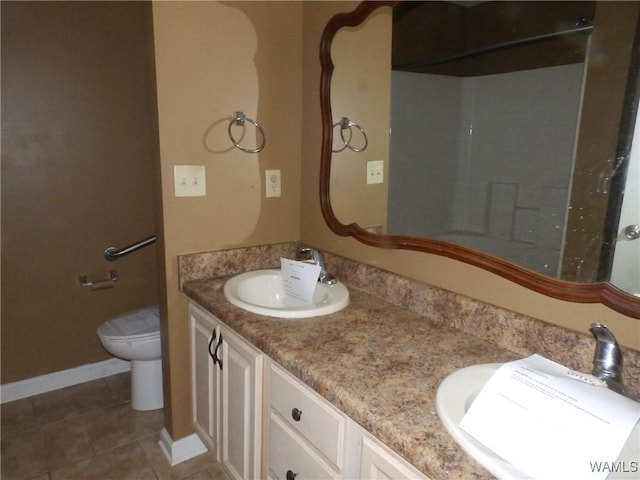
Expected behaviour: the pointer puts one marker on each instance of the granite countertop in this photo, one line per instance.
(376, 362)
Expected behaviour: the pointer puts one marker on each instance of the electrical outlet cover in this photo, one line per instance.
(272, 183)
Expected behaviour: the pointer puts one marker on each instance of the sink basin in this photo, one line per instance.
(455, 395)
(261, 292)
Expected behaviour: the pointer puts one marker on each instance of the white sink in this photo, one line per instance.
(261, 292)
(455, 395)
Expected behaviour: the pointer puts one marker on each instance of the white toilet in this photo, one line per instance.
(135, 336)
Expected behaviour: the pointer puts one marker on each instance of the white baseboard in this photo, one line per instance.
(180, 450)
(64, 378)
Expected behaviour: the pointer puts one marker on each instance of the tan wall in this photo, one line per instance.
(435, 270)
(79, 135)
(214, 58)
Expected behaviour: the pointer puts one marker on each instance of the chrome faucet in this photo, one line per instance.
(316, 257)
(607, 358)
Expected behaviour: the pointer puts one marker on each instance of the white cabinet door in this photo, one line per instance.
(205, 378)
(226, 389)
(241, 406)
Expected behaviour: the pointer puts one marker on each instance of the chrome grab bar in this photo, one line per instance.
(114, 253)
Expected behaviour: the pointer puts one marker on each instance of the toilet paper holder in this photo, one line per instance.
(100, 284)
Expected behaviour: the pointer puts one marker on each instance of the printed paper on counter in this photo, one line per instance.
(299, 280)
(548, 424)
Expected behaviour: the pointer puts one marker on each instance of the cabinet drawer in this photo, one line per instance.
(319, 422)
(287, 452)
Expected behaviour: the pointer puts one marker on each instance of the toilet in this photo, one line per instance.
(135, 336)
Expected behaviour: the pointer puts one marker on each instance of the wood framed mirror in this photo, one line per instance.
(599, 44)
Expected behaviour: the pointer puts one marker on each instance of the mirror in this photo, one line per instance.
(551, 94)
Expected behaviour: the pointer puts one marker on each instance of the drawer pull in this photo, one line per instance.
(296, 414)
(291, 475)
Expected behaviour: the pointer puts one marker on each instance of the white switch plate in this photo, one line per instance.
(189, 180)
(272, 183)
(375, 169)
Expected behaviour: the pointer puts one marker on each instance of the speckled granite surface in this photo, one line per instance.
(381, 359)
(376, 362)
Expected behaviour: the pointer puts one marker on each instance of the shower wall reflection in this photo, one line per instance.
(500, 176)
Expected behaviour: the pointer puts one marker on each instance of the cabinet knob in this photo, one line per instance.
(296, 414)
(291, 475)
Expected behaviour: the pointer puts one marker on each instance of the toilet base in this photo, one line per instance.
(146, 384)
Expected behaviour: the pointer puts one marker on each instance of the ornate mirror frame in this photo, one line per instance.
(602, 292)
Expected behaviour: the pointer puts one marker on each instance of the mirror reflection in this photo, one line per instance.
(504, 127)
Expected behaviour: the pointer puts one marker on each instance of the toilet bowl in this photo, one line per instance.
(135, 336)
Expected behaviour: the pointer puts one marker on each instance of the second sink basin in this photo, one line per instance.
(261, 292)
(455, 395)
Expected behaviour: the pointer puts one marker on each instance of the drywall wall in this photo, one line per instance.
(213, 59)
(79, 137)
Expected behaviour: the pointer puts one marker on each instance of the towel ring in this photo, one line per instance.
(345, 143)
(346, 124)
(239, 119)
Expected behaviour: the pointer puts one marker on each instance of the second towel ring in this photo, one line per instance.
(239, 119)
(346, 124)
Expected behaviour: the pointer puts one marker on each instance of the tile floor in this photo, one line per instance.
(89, 431)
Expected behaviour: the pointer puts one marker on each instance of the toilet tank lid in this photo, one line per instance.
(136, 322)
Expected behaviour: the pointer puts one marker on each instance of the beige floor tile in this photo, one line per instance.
(72, 401)
(201, 475)
(90, 431)
(214, 472)
(120, 424)
(17, 416)
(217, 472)
(23, 455)
(66, 443)
(120, 386)
(127, 462)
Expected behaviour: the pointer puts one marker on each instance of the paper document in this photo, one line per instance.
(299, 280)
(536, 415)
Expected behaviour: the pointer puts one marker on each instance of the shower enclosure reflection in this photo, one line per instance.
(504, 130)
(501, 176)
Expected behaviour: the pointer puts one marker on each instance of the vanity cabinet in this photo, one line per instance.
(226, 384)
(309, 438)
(305, 437)
(306, 434)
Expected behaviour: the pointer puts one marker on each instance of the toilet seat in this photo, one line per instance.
(137, 325)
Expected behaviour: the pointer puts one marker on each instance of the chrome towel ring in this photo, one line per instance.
(239, 119)
(346, 124)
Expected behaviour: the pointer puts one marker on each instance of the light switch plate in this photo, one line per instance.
(189, 180)
(375, 170)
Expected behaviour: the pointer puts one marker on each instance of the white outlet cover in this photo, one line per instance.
(273, 184)
(189, 180)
